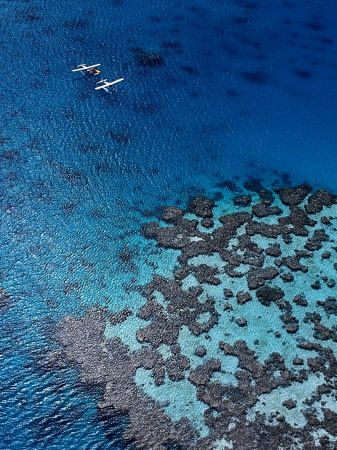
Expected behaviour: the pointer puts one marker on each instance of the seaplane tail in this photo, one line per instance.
(107, 84)
(82, 67)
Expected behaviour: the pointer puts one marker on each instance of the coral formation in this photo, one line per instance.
(242, 322)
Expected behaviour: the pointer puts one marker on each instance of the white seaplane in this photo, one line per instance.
(91, 70)
(107, 85)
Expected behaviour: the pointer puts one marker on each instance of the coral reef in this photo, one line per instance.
(241, 324)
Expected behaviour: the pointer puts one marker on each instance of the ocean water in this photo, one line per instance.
(247, 89)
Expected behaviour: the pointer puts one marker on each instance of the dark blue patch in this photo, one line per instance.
(305, 74)
(314, 26)
(257, 77)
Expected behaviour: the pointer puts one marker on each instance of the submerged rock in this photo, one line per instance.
(242, 200)
(207, 223)
(325, 220)
(300, 300)
(206, 274)
(254, 185)
(318, 200)
(331, 283)
(329, 305)
(269, 294)
(228, 293)
(241, 322)
(171, 214)
(243, 297)
(262, 210)
(298, 361)
(202, 207)
(316, 285)
(315, 243)
(228, 307)
(200, 351)
(274, 250)
(287, 277)
(294, 196)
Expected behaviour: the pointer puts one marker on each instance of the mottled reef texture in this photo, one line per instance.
(299, 216)
(4, 300)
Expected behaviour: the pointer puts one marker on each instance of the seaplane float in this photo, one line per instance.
(92, 70)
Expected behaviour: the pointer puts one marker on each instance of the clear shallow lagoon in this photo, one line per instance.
(246, 89)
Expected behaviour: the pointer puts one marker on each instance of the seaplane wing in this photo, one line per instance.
(82, 67)
(107, 84)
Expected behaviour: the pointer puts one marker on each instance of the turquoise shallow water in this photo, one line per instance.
(246, 89)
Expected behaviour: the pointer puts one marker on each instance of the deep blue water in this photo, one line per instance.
(246, 88)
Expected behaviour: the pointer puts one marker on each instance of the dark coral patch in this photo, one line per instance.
(318, 200)
(149, 59)
(201, 206)
(314, 26)
(171, 214)
(242, 200)
(120, 138)
(254, 185)
(4, 140)
(257, 77)
(269, 294)
(294, 196)
(241, 20)
(262, 210)
(4, 300)
(190, 70)
(76, 24)
(304, 74)
(228, 184)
